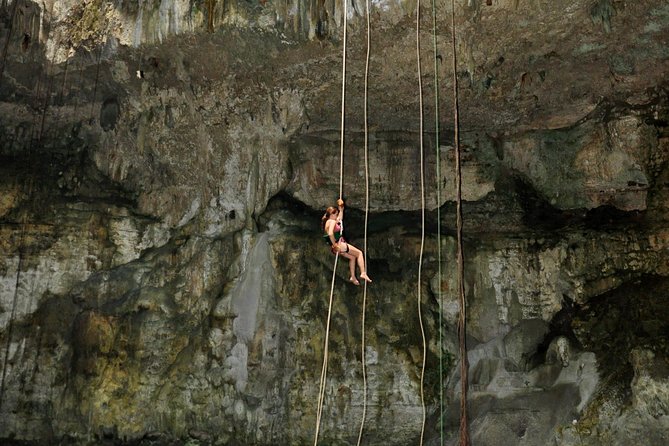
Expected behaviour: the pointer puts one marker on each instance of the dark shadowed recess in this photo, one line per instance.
(560, 325)
(54, 178)
(355, 218)
(636, 314)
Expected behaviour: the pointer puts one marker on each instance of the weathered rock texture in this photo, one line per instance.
(164, 166)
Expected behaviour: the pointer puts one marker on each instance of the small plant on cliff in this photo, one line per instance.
(87, 24)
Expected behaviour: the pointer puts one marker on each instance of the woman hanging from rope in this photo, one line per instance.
(332, 226)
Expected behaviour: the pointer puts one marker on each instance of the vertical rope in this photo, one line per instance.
(364, 293)
(12, 315)
(97, 70)
(47, 97)
(58, 116)
(97, 77)
(439, 273)
(343, 102)
(80, 84)
(65, 73)
(50, 79)
(464, 363)
(30, 182)
(324, 369)
(422, 216)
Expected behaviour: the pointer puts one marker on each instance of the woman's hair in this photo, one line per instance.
(329, 211)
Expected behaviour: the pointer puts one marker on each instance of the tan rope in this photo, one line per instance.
(97, 78)
(422, 234)
(464, 363)
(324, 369)
(364, 293)
(343, 104)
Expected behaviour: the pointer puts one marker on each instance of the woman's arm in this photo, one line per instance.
(340, 204)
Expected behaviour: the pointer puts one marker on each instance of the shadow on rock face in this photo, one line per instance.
(523, 419)
(635, 314)
(109, 113)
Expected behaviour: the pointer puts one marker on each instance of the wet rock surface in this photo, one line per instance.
(164, 167)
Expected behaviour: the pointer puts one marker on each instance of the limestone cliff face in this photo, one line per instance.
(164, 166)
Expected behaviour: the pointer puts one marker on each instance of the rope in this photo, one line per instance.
(324, 369)
(12, 315)
(97, 77)
(97, 70)
(66, 72)
(139, 73)
(47, 96)
(62, 87)
(464, 363)
(49, 86)
(343, 103)
(30, 182)
(364, 293)
(422, 214)
(79, 83)
(439, 273)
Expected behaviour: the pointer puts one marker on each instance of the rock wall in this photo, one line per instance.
(164, 167)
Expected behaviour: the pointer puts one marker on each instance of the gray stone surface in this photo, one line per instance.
(164, 165)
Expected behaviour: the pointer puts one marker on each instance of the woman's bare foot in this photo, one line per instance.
(365, 277)
(354, 281)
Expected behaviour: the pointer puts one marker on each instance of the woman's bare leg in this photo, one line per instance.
(361, 261)
(351, 266)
